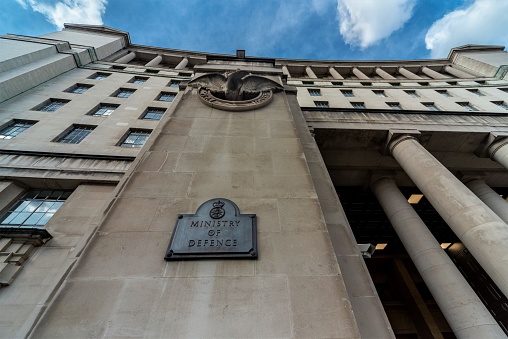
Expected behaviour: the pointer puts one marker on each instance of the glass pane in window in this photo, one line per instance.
(44, 220)
(20, 218)
(32, 220)
(32, 206)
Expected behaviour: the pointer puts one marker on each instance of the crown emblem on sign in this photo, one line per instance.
(218, 204)
(217, 211)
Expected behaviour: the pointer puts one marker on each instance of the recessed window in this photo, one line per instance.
(165, 96)
(394, 105)
(79, 88)
(321, 104)
(347, 92)
(467, 106)
(481, 82)
(14, 128)
(452, 83)
(395, 83)
(76, 134)
(358, 105)
(153, 113)
(431, 106)
(308, 82)
(151, 71)
(336, 83)
(117, 67)
(174, 83)
(34, 209)
(412, 94)
(103, 110)
(476, 92)
(51, 105)
(314, 92)
(381, 94)
(366, 83)
(138, 80)
(423, 83)
(99, 76)
(444, 93)
(501, 104)
(135, 138)
(124, 93)
(503, 89)
(185, 75)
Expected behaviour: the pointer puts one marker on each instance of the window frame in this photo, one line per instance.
(99, 76)
(129, 133)
(468, 106)
(4, 135)
(65, 137)
(322, 104)
(314, 92)
(124, 92)
(74, 89)
(148, 111)
(394, 106)
(136, 80)
(358, 105)
(380, 93)
(162, 94)
(431, 106)
(51, 105)
(97, 108)
(347, 93)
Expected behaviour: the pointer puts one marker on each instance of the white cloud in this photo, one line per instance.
(364, 23)
(69, 11)
(483, 22)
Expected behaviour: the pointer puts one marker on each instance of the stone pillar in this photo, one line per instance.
(409, 74)
(499, 152)
(285, 71)
(383, 74)
(182, 64)
(310, 72)
(479, 229)
(486, 194)
(335, 74)
(359, 74)
(464, 311)
(458, 73)
(433, 74)
(154, 62)
(126, 58)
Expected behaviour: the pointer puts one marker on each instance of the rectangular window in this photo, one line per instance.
(477, 92)
(165, 96)
(138, 80)
(76, 134)
(314, 92)
(308, 82)
(34, 209)
(431, 106)
(185, 75)
(103, 110)
(366, 83)
(14, 128)
(347, 92)
(394, 105)
(395, 84)
(135, 138)
(99, 76)
(79, 88)
(321, 104)
(174, 84)
(124, 93)
(444, 93)
(153, 113)
(467, 106)
(381, 94)
(452, 83)
(423, 83)
(151, 71)
(117, 67)
(358, 105)
(51, 105)
(501, 104)
(412, 94)
(336, 83)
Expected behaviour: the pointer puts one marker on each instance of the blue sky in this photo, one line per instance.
(310, 29)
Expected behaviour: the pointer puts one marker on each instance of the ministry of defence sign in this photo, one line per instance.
(217, 230)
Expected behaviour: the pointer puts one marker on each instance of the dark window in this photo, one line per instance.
(395, 83)
(444, 93)
(34, 209)
(381, 94)
(431, 106)
(117, 67)
(174, 83)
(103, 110)
(51, 105)
(186, 75)
(315, 92)
(366, 83)
(138, 80)
(501, 104)
(79, 88)
(394, 105)
(412, 94)
(467, 106)
(347, 93)
(308, 82)
(358, 105)
(14, 128)
(124, 93)
(452, 83)
(153, 113)
(321, 104)
(76, 134)
(165, 96)
(336, 83)
(135, 138)
(477, 92)
(99, 76)
(423, 83)
(151, 71)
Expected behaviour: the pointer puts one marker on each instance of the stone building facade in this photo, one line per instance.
(378, 187)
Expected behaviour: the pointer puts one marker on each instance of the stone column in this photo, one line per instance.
(479, 229)
(154, 62)
(464, 311)
(433, 74)
(457, 72)
(285, 71)
(310, 72)
(499, 152)
(409, 74)
(486, 194)
(335, 74)
(359, 74)
(182, 64)
(126, 58)
(383, 74)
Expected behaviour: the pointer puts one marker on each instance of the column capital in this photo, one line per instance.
(491, 144)
(377, 176)
(395, 136)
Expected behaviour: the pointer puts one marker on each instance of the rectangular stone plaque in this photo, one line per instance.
(217, 230)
